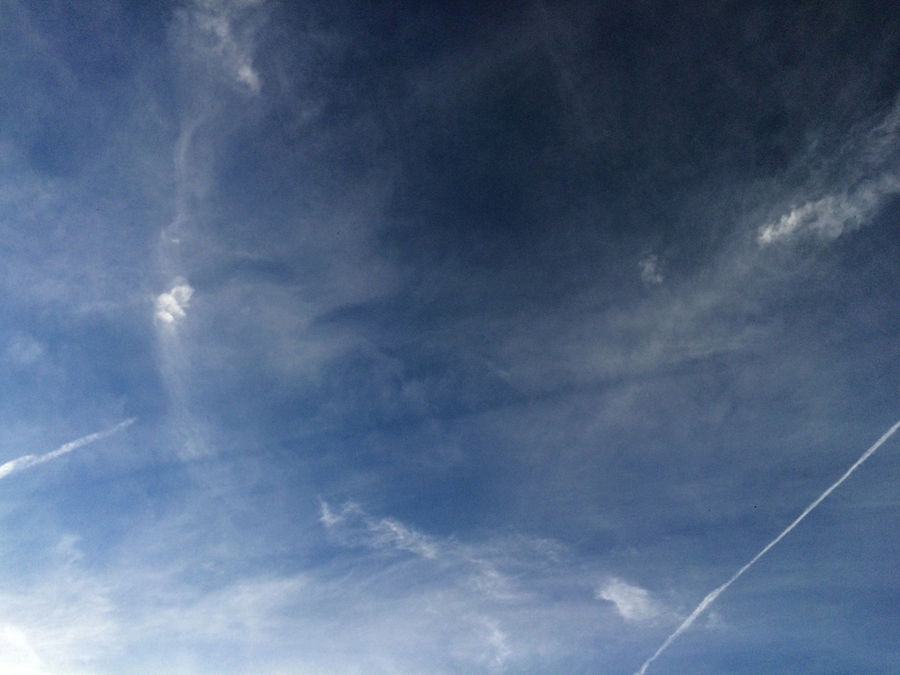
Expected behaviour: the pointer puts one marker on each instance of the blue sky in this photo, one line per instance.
(483, 337)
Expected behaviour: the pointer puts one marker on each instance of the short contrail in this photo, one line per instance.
(26, 461)
(709, 599)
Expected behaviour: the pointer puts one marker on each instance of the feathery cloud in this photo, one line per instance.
(355, 527)
(832, 215)
(869, 176)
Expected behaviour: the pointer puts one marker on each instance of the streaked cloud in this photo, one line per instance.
(715, 593)
(866, 175)
(354, 526)
(27, 461)
(832, 215)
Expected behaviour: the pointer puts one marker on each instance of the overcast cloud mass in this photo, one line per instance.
(343, 337)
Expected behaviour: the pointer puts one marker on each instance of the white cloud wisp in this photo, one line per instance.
(832, 215)
(871, 177)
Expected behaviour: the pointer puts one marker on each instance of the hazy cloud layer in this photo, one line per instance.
(477, 338)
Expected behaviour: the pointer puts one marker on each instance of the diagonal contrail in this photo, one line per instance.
(27, 461)
(709, 599)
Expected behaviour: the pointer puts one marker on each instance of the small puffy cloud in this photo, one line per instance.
(633, 603)
(170, 306)
(651, 274)
(248, 76)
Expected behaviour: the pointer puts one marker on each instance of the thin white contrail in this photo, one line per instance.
(709, 599)
(27, 461)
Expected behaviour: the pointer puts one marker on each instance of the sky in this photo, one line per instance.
(473, 337)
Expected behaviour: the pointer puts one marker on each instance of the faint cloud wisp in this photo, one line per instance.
(651, 274)
(832, 215)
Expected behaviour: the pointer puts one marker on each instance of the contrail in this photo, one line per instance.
(27, 461)
(709, 599)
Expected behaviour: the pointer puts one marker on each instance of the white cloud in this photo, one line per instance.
(832, 215)
(868, 176)
(17, 656)
(651, 274)
(170, 306)
(62, 618)
(634, 604)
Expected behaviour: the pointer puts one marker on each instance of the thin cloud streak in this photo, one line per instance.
(709, 599)
(27, 461)
(385, 532)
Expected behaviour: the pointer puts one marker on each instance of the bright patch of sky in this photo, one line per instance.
(483, 338)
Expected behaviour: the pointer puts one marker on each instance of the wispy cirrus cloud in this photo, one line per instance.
(832, 215)
(867, 175)
(355, 527)
(490, 606)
